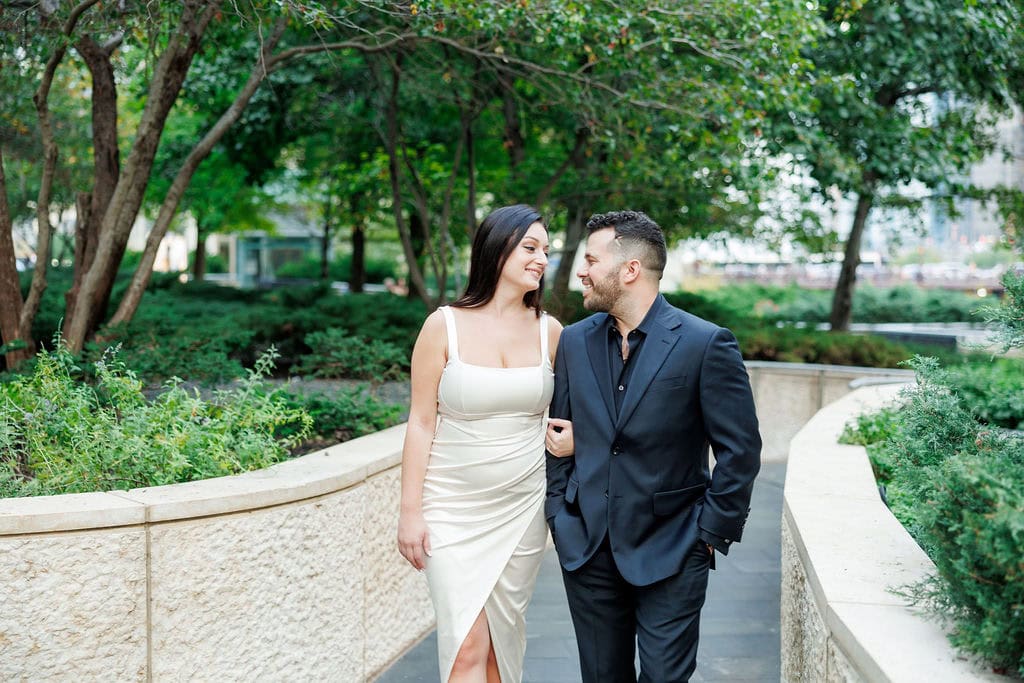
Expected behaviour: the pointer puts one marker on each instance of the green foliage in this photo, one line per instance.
(958, 487)
(993, 391)
(59, 434)
(1010, 316)
(800, 345)
(182, 336)
(344, 414)
(873, 430)
(760, 338)
(972, 525)
(339, 269)
(871, 305)
(338, 355)
(870, 428)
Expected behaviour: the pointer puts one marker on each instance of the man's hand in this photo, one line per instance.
(558, 440)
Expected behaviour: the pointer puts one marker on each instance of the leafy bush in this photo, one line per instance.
(336, 354)
(958, 487)
(800, 345)
(1009, 316)
(339, 269)
(992, 391)
(873, 430)
(59, 434)
(873, 304)
(343, 415)
(182, 336)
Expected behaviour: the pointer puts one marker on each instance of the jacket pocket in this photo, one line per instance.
(669, 502)
(570, 490)
(661, 383)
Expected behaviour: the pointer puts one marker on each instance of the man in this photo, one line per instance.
(642, 389)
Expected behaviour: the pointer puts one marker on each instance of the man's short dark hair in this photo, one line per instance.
(638, 236)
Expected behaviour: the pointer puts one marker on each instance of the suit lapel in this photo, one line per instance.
(597, 350)
(659, 342)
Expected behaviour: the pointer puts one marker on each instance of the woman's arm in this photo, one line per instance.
(428, 360)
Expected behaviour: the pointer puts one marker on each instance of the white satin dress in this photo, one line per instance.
(483, 501)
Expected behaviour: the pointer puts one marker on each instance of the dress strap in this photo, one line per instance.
(453, 337)
(545, 356)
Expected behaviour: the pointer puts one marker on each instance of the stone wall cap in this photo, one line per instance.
(315, 474)
(71, 511)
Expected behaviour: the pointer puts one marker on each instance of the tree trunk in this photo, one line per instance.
(842, 299)
(560, 283)
(417, 285)
(357, 274)
(10, 287)
(325, 253)
(471, 182)
(325, 240)
(168, 76)
(169, 207)
(106, 160)
(514, 142)
(199, 262)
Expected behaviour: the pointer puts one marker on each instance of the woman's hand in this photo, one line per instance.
(413, 539)
(559, 440)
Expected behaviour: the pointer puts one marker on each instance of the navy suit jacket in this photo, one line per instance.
(642, 477)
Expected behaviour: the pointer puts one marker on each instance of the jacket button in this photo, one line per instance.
(616, 449)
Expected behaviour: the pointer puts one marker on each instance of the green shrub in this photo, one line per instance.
(59, 434)
(801, 345)
(993, 391)
(339, 269)
(1009, 316)
(874, 304)
(958, 487)
(337, 355)
(183, 336)
(343, 415)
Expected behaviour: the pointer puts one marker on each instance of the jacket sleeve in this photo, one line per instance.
(559, 469)
(730, 423)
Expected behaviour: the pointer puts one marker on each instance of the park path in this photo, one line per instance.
(739, 624)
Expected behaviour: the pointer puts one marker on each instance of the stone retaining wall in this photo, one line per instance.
(843, 555)
(789, 394)
(289, 573)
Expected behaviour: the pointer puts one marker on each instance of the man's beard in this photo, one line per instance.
(604, 294)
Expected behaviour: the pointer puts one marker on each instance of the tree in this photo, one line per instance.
(905, 92)
(591, 87)
(173, 32)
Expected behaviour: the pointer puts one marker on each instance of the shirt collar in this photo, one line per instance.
(645, 325)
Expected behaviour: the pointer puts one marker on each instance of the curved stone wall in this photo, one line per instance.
(843, 555)
(288, 573)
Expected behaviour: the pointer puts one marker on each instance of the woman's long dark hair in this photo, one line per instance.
(495, 239)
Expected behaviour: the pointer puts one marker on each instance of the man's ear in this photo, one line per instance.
(632, 270)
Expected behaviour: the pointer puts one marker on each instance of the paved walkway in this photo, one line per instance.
(739, 624)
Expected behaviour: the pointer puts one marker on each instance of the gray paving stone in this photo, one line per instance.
(739, 623)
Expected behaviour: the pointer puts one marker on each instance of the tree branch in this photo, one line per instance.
(169, 207)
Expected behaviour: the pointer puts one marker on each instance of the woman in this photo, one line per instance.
(473, 482)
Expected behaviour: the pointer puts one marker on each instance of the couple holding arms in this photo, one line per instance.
(619, 472)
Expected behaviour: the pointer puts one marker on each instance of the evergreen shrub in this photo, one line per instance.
(338, 355)
(955, 476)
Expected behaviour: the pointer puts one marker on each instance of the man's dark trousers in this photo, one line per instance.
(610, 616)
